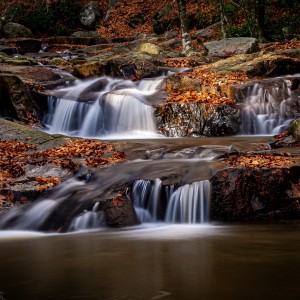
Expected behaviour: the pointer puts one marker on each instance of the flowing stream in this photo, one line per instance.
(175, 253)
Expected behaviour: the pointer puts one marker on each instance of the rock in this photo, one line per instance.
(8, 50)
(74, 40)
(161, 26)
(171, 44)
(13, 130)
(196, 119)
(29, 45)
(163, 12)
(119, 212)
(86, 34)
(16, 101)
(183, 82)
(112, 3)
(258, 65)
(232, 46)
(294, 129)
(208, 32)
(90, 14)
(239, 194)
(149, 48)
(135, 65)
(136, 20)
(15, 30)
(170, 34)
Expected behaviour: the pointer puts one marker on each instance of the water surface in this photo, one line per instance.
(212, 262)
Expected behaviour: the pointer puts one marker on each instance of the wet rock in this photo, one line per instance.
(16, 101)
(120, 212)
(8, 50)
(15, 30)
(196, 119)
(90, 14)
(29, 45)
(294, 130)
(240, 194)
(140, 64)
(232, 46)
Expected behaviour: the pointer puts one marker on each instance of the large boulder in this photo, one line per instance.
(232, 46)
(258, 64)
(15, 30)
(135, 65)
(29, 45)
(90, 14)
(294, 129)
(247, 193)
(16, 101)
(196, 119)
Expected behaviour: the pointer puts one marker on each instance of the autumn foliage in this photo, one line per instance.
(215, 88)
(15, 155)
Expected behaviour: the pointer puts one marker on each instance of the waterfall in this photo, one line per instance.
(104, 107)
(186, 204)
(268, 107)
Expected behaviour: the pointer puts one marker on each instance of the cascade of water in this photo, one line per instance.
(104, 107)
(267, 108)
(186, 204)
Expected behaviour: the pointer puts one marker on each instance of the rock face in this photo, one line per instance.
(258, 65)
(240, 194)
(134, 66)
(294, 129)
(232, 46)
(195, 119)
(29, 45)
(90, 14)
(15, 98)
(15, 30)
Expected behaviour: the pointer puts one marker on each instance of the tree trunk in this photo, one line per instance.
(223, 18)
(260, 19)
(187, 45)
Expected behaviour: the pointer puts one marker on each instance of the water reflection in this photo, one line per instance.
(161, 262)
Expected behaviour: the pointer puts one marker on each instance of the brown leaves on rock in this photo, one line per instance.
(45, 183)
(15, 155)
(261, 160)
(215, 88)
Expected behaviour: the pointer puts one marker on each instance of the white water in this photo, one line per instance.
(105, 107)
(187, 204)
(267, 109)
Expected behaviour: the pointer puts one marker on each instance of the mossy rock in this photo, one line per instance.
(294, 129)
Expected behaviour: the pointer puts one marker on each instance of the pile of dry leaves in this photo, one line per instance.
(15, 155)
(215, 88)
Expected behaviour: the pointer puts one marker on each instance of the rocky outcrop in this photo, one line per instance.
(15, 100)
(15, 30)
(258, 65)
(294, 130)
(134, 66)
(29, 45)
(196, 119)
(90, 14)
(246, 193)
(232, 46)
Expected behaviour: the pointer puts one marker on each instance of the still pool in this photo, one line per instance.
(210, 262)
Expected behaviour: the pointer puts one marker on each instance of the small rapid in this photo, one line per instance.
(105, 108)
(268, 107)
